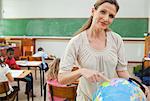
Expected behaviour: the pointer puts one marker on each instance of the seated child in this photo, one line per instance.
(5, 75)
(10, 60)
(51, 75)
(44, 55)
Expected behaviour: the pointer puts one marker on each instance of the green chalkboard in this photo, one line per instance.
(130, 27)
(65, 27)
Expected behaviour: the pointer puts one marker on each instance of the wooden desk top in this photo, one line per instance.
(28, 63)
(22, 75)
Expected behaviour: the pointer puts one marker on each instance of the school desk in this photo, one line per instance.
(20, 74)
(28, 64)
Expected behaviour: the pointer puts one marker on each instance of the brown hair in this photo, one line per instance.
(2, 63)
(52, 73)
(96, 5)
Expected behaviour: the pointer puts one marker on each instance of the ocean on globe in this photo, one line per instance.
(119, 90)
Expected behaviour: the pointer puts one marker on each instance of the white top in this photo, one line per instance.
(107, 60)
(43, 55)
(4, 69)
(147, 58)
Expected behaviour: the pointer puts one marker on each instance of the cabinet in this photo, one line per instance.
(28, 46)
(147, 50)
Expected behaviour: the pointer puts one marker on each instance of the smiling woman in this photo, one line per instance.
(97, 49)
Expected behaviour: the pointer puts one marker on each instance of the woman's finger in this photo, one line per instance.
(104, 77)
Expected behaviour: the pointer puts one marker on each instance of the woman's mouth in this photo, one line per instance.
(103, 24)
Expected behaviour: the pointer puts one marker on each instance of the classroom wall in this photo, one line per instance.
(46, 8)
(67, 8)
(0, 9)
(74, 9)
(134, 50)
(55, 47)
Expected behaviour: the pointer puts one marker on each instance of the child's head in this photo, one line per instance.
(40, 49)
(10, 52)
(52, 73)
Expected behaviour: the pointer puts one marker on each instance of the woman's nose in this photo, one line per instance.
(106, 17)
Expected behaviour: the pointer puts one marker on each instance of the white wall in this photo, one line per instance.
(0, 9)
(55, 47)
(133, 8)
(46, 8)
(67, 8)
(134, 50)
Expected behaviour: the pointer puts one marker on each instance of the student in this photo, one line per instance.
(98, 50)
(44, 56)
(51, 76)
(10, 60)
(5, 75)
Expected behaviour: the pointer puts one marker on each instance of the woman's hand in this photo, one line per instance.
(93, 76)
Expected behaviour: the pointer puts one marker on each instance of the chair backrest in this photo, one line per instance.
(34, 58)
(28, 53)
(68, 92)
(23, 58)
(4, 87)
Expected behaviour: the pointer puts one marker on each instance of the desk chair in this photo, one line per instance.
(4, 88)
(68, 92)
(31, 58)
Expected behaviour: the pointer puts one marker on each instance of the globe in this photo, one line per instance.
(119, 90)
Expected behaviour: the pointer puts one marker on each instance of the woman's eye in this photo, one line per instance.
(111, 16)
(102, 12)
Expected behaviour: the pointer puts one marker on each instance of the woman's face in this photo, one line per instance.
(104, 15)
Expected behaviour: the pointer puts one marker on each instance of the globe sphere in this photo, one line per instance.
(119, 90)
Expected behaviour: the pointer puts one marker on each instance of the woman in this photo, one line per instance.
(98, 50)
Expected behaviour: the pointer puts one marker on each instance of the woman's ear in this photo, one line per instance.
(93, 11)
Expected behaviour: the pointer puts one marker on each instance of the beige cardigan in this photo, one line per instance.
(109, 60)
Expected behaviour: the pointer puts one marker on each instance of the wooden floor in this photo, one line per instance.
(37, 90)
